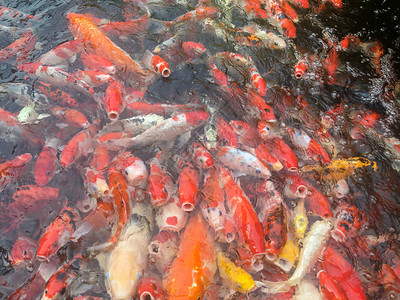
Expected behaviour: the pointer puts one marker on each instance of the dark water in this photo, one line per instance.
(377, 194)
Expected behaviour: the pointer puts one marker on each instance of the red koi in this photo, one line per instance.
(151, 288)
(33, 193)
(126, 28)
(348, 222)
(226, 134)
(19, 47)
(300, 68)
(188, 187)
(246, 222)
(329, 287)
(283, 153)
(220, 77)
(317, 202)
(15, 14)
(113, 100)
(192, 49)
(202, 158)
(331, 64)
(300, 3)
(247, 135)
(100, 159)
(12, 169)
(263, 153)
(57, 234)
(342, 271)
(258, 81)
(24, 250)
(289, 11)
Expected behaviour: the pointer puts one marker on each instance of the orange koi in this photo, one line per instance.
(96, 42)
(193, 269)
(57, 234)
(78, 146)
(160, 183)
(119, 190)
(132, 167)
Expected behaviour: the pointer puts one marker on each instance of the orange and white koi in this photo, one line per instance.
(280, 20)
(193, 269)
(156, 64)
(113, 101)
(96, 42)
(95, 182)
(243, 162)
(57, 233)
(133, 167)
(80, 145)
(97, 63)
(70, 116)
(269, 38)
(66, 51)
(94, 78)
(12, 169)
(46, 163)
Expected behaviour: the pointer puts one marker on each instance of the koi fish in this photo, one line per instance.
(188, 187)
(156, 64)
(339, 168)
(163, 249)
(78, 146)
(113, 101)
(12, 169)
(314, 244)
(128, 259)
(46, 163)
(329, 287)
(202, 158)
(57, 234)
(246, 221)
(94, 78)
(168, 129)
(97, 43)
(97, 63)
(160, 184)
(55, 94)
(269, 39)
(348, 222)
(199, 14)
(171, 217)
(192, 49)
(151, 287)
(19, 47)
(243, 162)
(193, 269)
(133, 167)
(24, 250)
(66, 51)
(70, 116)
(288, 255)
(237, 278)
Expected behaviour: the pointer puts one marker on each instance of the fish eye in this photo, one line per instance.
(48, 173)
(276, 43)
(24, 252)
(267, 110)
(240, 127)
(126, 172)
(164, 190)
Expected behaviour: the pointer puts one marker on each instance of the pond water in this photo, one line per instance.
(298, 120)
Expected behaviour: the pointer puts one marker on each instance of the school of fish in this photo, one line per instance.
(245, 189)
